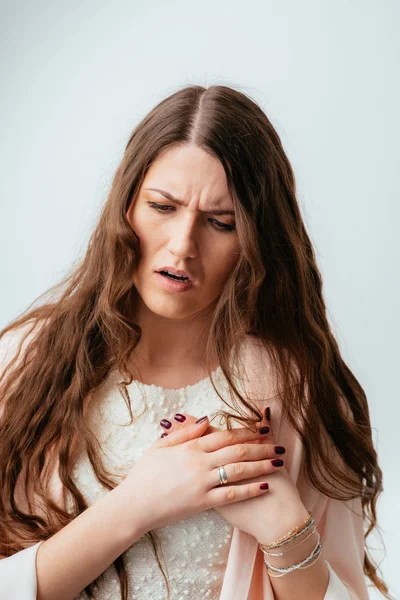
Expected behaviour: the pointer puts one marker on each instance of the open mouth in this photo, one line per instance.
(173, 277)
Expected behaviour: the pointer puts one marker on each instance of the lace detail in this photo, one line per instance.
(196, 549)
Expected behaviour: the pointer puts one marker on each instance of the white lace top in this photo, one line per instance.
(195, 550)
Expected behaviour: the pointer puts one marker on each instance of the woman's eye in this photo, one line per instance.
(223, 226)
(216, 224)
(160, 207)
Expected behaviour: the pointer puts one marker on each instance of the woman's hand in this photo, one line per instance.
(266, 517)
(178, 476)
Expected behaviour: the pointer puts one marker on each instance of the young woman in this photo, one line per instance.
(199, 292)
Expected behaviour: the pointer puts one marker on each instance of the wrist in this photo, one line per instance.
(129, 519)
(291, 518)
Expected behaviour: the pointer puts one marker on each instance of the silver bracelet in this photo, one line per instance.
(300, 565)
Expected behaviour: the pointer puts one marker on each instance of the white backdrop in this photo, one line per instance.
(77, 77)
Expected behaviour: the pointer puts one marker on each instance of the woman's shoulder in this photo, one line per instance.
(257, 367)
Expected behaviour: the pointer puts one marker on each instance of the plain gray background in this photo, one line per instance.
(76, 77)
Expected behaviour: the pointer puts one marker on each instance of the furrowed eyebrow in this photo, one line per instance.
(215, 211)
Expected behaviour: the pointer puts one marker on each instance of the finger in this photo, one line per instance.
(173, 424)
(185, 419)
(266, 421)
(240, 471)
(181, 420)
(183, 434)
(220, 439)
(227, 494)
(245, 452)
(262, 423)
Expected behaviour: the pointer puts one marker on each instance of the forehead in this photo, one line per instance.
(189, 173)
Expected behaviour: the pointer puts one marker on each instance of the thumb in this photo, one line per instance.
(184, 434)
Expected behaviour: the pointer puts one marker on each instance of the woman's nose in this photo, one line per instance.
(183, 239)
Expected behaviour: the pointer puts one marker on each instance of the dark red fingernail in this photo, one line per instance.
(263, 430)
(165, 423)
(277, 462)
(280, 450)
(179, 417)
(202, 419)
(268, 413)
(164, 434)
(264, 486)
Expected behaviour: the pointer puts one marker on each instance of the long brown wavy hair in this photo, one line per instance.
(274, 293)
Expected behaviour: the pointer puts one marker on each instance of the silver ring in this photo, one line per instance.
(222, 475)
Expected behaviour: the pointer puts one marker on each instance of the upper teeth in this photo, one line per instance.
(176, 275)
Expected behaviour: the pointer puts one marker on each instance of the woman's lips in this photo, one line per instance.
(171, 285)
(175, 272)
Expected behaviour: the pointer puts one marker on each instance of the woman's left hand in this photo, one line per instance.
(266, 517)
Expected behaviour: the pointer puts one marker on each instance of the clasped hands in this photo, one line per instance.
(274, 513)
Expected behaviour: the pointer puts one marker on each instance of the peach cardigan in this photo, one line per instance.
(339, 523)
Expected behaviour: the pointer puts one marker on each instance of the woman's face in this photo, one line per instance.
(187, 235)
